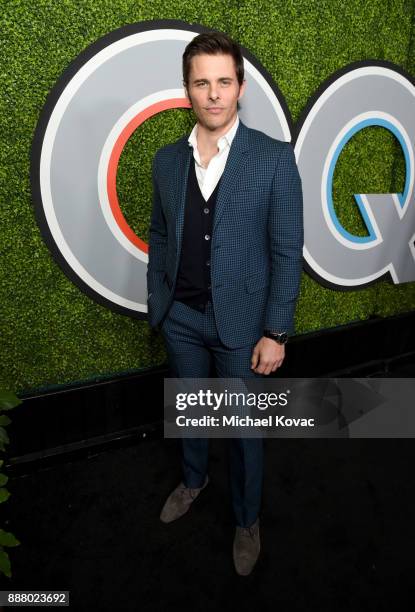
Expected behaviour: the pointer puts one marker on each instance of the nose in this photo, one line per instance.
(213, 94)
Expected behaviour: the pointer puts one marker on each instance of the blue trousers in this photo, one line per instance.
(191, 340)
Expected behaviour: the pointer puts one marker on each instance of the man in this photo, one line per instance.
(225, 258)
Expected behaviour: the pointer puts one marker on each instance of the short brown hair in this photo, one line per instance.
(213, 43)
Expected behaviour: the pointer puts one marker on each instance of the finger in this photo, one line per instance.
(264, 367)
(277, 364)
(254, 358)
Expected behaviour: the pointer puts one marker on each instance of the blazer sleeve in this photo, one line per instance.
(286, 239)
(158, 236)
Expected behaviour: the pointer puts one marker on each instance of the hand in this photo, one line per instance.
(267, 356)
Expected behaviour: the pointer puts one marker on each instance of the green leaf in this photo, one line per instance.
(4, 495)
(8, 539)
(3, 479)
(4, 438)
(5, 563)
(4, 420)
(8, 400)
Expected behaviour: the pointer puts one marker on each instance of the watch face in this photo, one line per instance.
(281, 337)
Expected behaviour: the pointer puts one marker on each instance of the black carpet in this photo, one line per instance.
(336, 530)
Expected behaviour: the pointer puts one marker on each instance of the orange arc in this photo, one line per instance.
(119, 145)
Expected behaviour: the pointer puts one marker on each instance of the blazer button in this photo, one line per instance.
(207, 237)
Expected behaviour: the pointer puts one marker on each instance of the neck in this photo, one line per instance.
(207, 139)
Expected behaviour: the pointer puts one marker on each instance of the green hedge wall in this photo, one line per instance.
(52, 333)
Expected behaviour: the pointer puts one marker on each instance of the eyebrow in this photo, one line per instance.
(207, 80)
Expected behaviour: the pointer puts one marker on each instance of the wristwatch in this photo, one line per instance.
(279, 337)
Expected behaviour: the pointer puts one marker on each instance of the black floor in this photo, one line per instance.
(336, 529)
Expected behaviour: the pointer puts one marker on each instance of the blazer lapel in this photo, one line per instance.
(183, 158)
(237, 158)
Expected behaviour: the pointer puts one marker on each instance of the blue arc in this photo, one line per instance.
(401, 196)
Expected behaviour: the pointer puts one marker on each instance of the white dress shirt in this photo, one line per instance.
(208, 177)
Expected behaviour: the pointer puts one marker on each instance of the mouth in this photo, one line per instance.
(214, 110)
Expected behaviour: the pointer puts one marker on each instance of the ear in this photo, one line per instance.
(242, 89)
(188, 97)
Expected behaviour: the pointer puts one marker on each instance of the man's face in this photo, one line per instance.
(213, 89)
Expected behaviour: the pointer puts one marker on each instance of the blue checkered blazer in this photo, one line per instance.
(257, 237)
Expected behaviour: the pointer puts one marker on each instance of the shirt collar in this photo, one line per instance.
(222, 141)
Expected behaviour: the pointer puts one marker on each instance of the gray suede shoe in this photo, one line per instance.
(179, 501)
(246, 547)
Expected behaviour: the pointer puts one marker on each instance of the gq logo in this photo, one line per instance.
(356, 98)
(98, 103)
